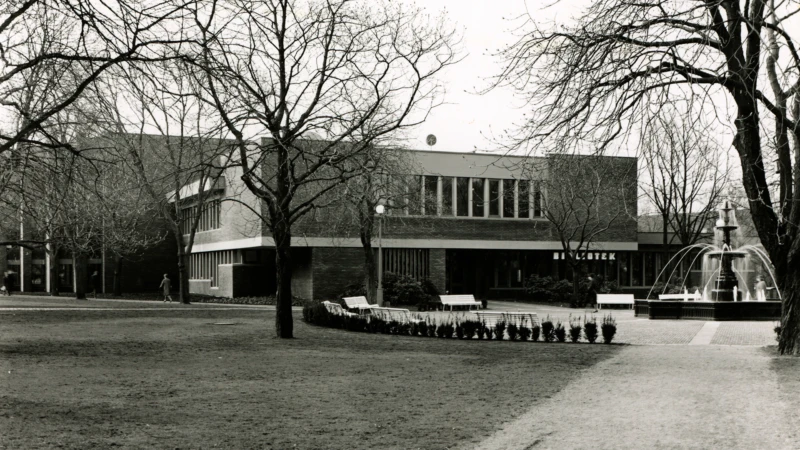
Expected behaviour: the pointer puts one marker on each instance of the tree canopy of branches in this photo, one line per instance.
(685, 176)
(354, 74)
(75, 42)
(185, 149)
(725, 58)
(586, 198)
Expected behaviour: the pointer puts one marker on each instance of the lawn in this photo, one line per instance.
(201, 378)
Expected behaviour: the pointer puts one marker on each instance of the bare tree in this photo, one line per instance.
(685, 177)
(334, 68)
(583, 199)
(381, 180)
(77, 37)
(621, 60)
(181, 164)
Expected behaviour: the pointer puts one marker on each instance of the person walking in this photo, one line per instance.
(166, 284)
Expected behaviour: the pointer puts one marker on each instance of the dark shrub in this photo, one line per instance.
(355, 323)
(480, 330)
(422, 327)
(449, 329)
(470, 328)
(499, 329)
(590, 329)
(575, 330)
(317, 314)
(377, 325)
(440, 330)
(560, 332)
(547, 330)
(524, 333)
(484, 303)
(562, 290)
(540, 288)
(460, 331)
(433, 330)
(429, 288)
(489, 333)
(609, 329)
(403, 290)
(535, 332)
(513, 331)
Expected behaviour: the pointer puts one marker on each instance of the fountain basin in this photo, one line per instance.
(717, 311)
(720, 253)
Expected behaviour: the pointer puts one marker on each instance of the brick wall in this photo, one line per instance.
(334, 269)
(438, 268)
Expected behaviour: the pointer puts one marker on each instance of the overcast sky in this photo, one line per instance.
(470, 120)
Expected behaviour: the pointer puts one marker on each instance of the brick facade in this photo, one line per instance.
(334, 269)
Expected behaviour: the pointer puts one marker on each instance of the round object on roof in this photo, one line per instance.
(431, 140)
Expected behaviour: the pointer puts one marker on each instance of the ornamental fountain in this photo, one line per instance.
(725, 288)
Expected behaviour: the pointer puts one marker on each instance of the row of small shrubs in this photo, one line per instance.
(549, 331)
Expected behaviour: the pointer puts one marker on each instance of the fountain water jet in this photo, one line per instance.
(726, 279)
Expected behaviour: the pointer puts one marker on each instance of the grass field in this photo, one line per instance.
(181, 379)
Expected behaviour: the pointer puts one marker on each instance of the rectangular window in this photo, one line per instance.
(477, 197)
(447, 196)
(494, 197)
(508, 198)
(523, 196)
(537, 199)
(462, 196)
(636, 269)
(431, 197)
(414, 199)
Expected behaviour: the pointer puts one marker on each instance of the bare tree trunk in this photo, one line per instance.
(117, 275)
(370, 268)
(80, 264)
(789, 342)
(183, 268)
(282, 235)
(665, 247)
(53, 269)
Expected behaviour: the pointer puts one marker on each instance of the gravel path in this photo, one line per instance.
(661, 397)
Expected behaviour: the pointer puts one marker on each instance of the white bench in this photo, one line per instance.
(687, 297)
(614, 299)
(359, 303)
(396, 314)
(490, 318)
(459, 300)
(335, 308)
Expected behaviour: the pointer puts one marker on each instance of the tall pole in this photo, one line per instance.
(379, 293)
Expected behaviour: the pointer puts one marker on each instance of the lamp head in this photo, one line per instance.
(380, 209)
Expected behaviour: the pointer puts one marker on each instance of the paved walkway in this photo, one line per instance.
(685, 397)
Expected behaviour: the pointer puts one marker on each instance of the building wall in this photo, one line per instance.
(334, 269)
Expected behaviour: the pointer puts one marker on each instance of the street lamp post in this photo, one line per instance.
(379, 294)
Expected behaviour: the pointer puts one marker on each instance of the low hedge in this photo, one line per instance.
(318, 314)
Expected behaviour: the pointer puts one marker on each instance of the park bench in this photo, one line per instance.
(459, 300)
(396, 314)
(335, 308)
(614, 299)
(685, 297)
(490, 318)
(359, 303)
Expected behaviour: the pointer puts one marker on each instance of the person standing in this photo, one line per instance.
(166, 284)
(761, 289)
(95, 283)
